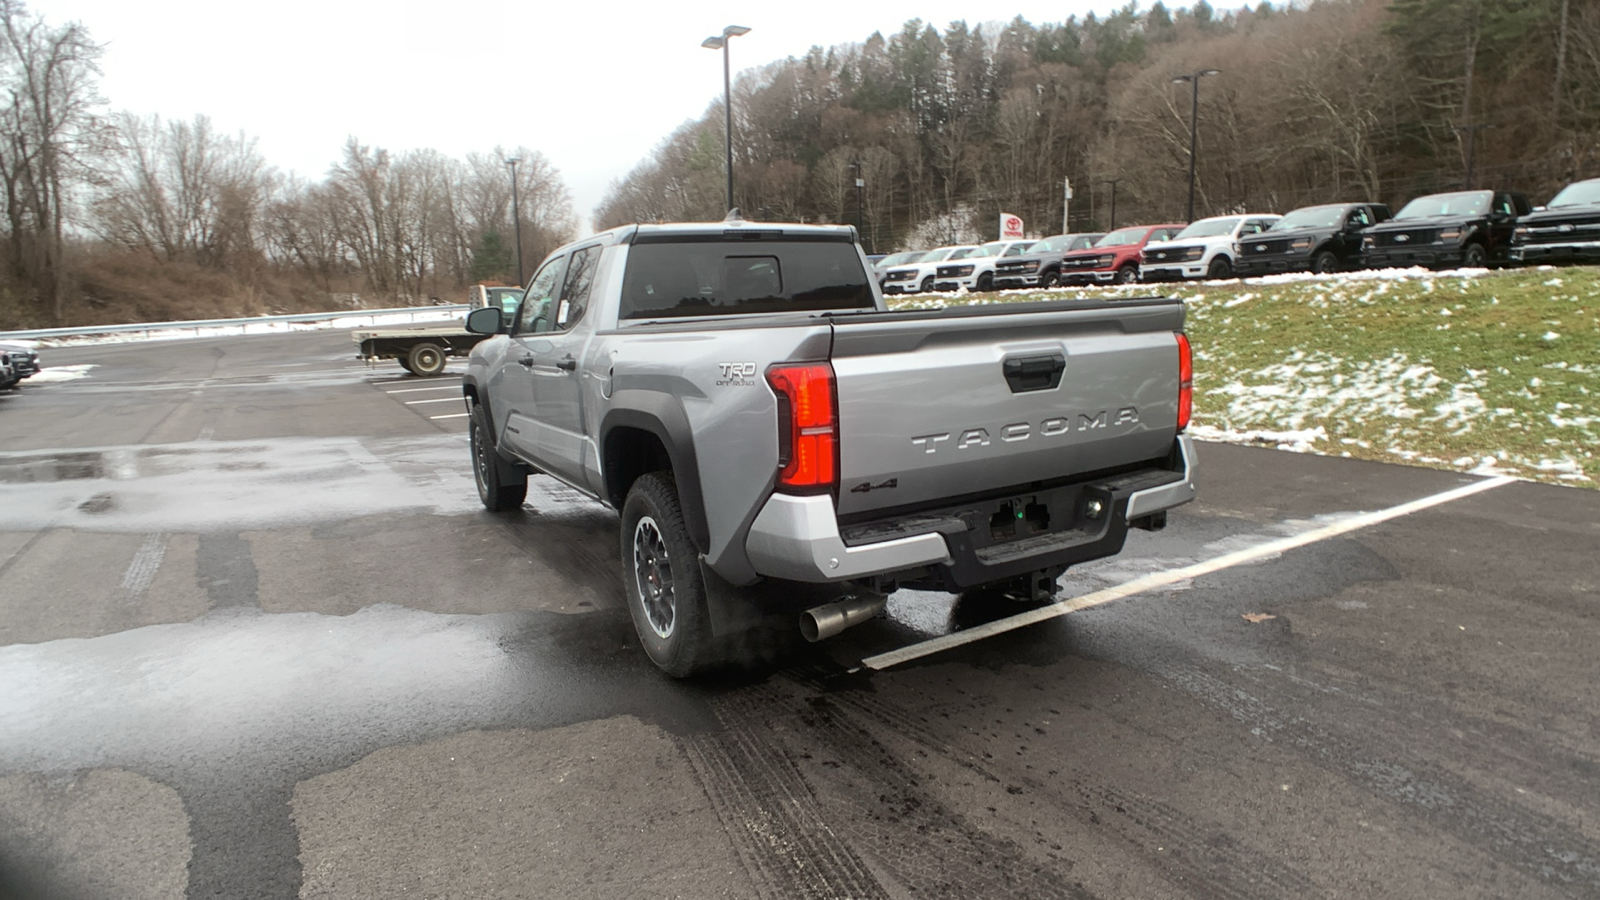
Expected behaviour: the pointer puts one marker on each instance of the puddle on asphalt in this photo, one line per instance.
(232, 486)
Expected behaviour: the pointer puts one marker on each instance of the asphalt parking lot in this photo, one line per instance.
(258, 639)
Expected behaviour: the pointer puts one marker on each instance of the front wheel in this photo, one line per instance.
(986, 282)
(1324, 263)
(1049, 280)
(1220, 267)
(661, 577)
(927, 284)
(501, 485)
(1474, 257)
(426, 359)
(1127, 275)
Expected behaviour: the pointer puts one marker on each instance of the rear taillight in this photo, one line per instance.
(808, 427)
(1185, 382)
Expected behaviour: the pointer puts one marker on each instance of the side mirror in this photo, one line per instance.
(485, 320)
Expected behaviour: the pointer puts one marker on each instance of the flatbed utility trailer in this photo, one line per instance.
(424, 349)
(420, 349)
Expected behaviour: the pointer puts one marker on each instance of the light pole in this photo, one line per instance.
(860, 183)
(1194, 120)
(1113, 182)
(516, 215)
(720, 42)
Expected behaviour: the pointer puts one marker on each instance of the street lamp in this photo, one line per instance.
(1194, 118)
(516, 215)
(1113, 182)
(720, 42)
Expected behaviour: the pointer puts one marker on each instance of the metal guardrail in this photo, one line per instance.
(355, 318)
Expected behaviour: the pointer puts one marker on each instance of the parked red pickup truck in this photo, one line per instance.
(1115, 257)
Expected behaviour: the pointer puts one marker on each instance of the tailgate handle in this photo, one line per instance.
(1034, 373)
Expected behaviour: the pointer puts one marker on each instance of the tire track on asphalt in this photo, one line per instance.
(1198, 852)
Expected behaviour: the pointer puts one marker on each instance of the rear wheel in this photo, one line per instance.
(1324, 263)
(501, 485)
(426, 359)
(1220, 267)
(1127, 274)
(661, 577)
(405, 364)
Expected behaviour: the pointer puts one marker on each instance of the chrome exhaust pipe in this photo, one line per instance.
(827, 620)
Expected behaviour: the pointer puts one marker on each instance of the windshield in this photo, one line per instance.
(1209, 228)
(1459, 204)
(1311, 217)
(717, 278)
(1122, 238)
(1059, 242)
(1584, 193)
(900, 259)
(964, 253)
(993, 248)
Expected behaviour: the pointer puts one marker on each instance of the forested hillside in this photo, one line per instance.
(1314, 102)
(113, 217)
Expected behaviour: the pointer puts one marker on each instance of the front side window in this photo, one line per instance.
(534, 314)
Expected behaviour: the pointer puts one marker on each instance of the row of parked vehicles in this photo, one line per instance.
(1458, 229)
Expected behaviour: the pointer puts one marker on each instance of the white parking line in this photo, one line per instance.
(452, 416)
(399, 380)
(1162, 579)
(448, 387)
(435, 400)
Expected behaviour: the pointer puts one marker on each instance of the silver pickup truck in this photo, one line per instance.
(740, 393)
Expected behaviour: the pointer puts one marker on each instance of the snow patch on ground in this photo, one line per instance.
(59, 373)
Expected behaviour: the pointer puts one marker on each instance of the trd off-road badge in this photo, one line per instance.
(737, 374)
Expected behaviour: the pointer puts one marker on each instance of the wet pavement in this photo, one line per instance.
(257, 639)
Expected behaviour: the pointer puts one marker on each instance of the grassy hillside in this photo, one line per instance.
(1486, 372)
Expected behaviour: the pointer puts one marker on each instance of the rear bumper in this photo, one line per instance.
(799, 538)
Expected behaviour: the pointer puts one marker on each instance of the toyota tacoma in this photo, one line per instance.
(740, 394)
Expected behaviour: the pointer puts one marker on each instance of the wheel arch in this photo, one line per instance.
(645, 430)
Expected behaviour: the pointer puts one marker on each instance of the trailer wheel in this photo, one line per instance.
(426, 359)
(661, 578)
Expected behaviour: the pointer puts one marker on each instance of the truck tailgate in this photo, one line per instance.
(966, 401)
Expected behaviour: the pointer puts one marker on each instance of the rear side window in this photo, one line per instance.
(710, 278)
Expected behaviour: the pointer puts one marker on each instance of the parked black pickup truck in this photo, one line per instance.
(1568, 230)
(1317, 239)
(1462, 228)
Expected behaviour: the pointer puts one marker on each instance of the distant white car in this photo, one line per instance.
(918, 277)
(1204, 249)
(974, 269)
(894, 261)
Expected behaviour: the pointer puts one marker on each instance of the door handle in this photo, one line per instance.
(526, 362)
(567, 364)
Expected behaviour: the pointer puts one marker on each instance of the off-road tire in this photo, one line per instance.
(427, 359)
(502, 485)
(661, 578)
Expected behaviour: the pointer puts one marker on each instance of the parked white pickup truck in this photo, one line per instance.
(739, 393)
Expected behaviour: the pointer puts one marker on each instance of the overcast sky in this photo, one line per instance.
(593, 86)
